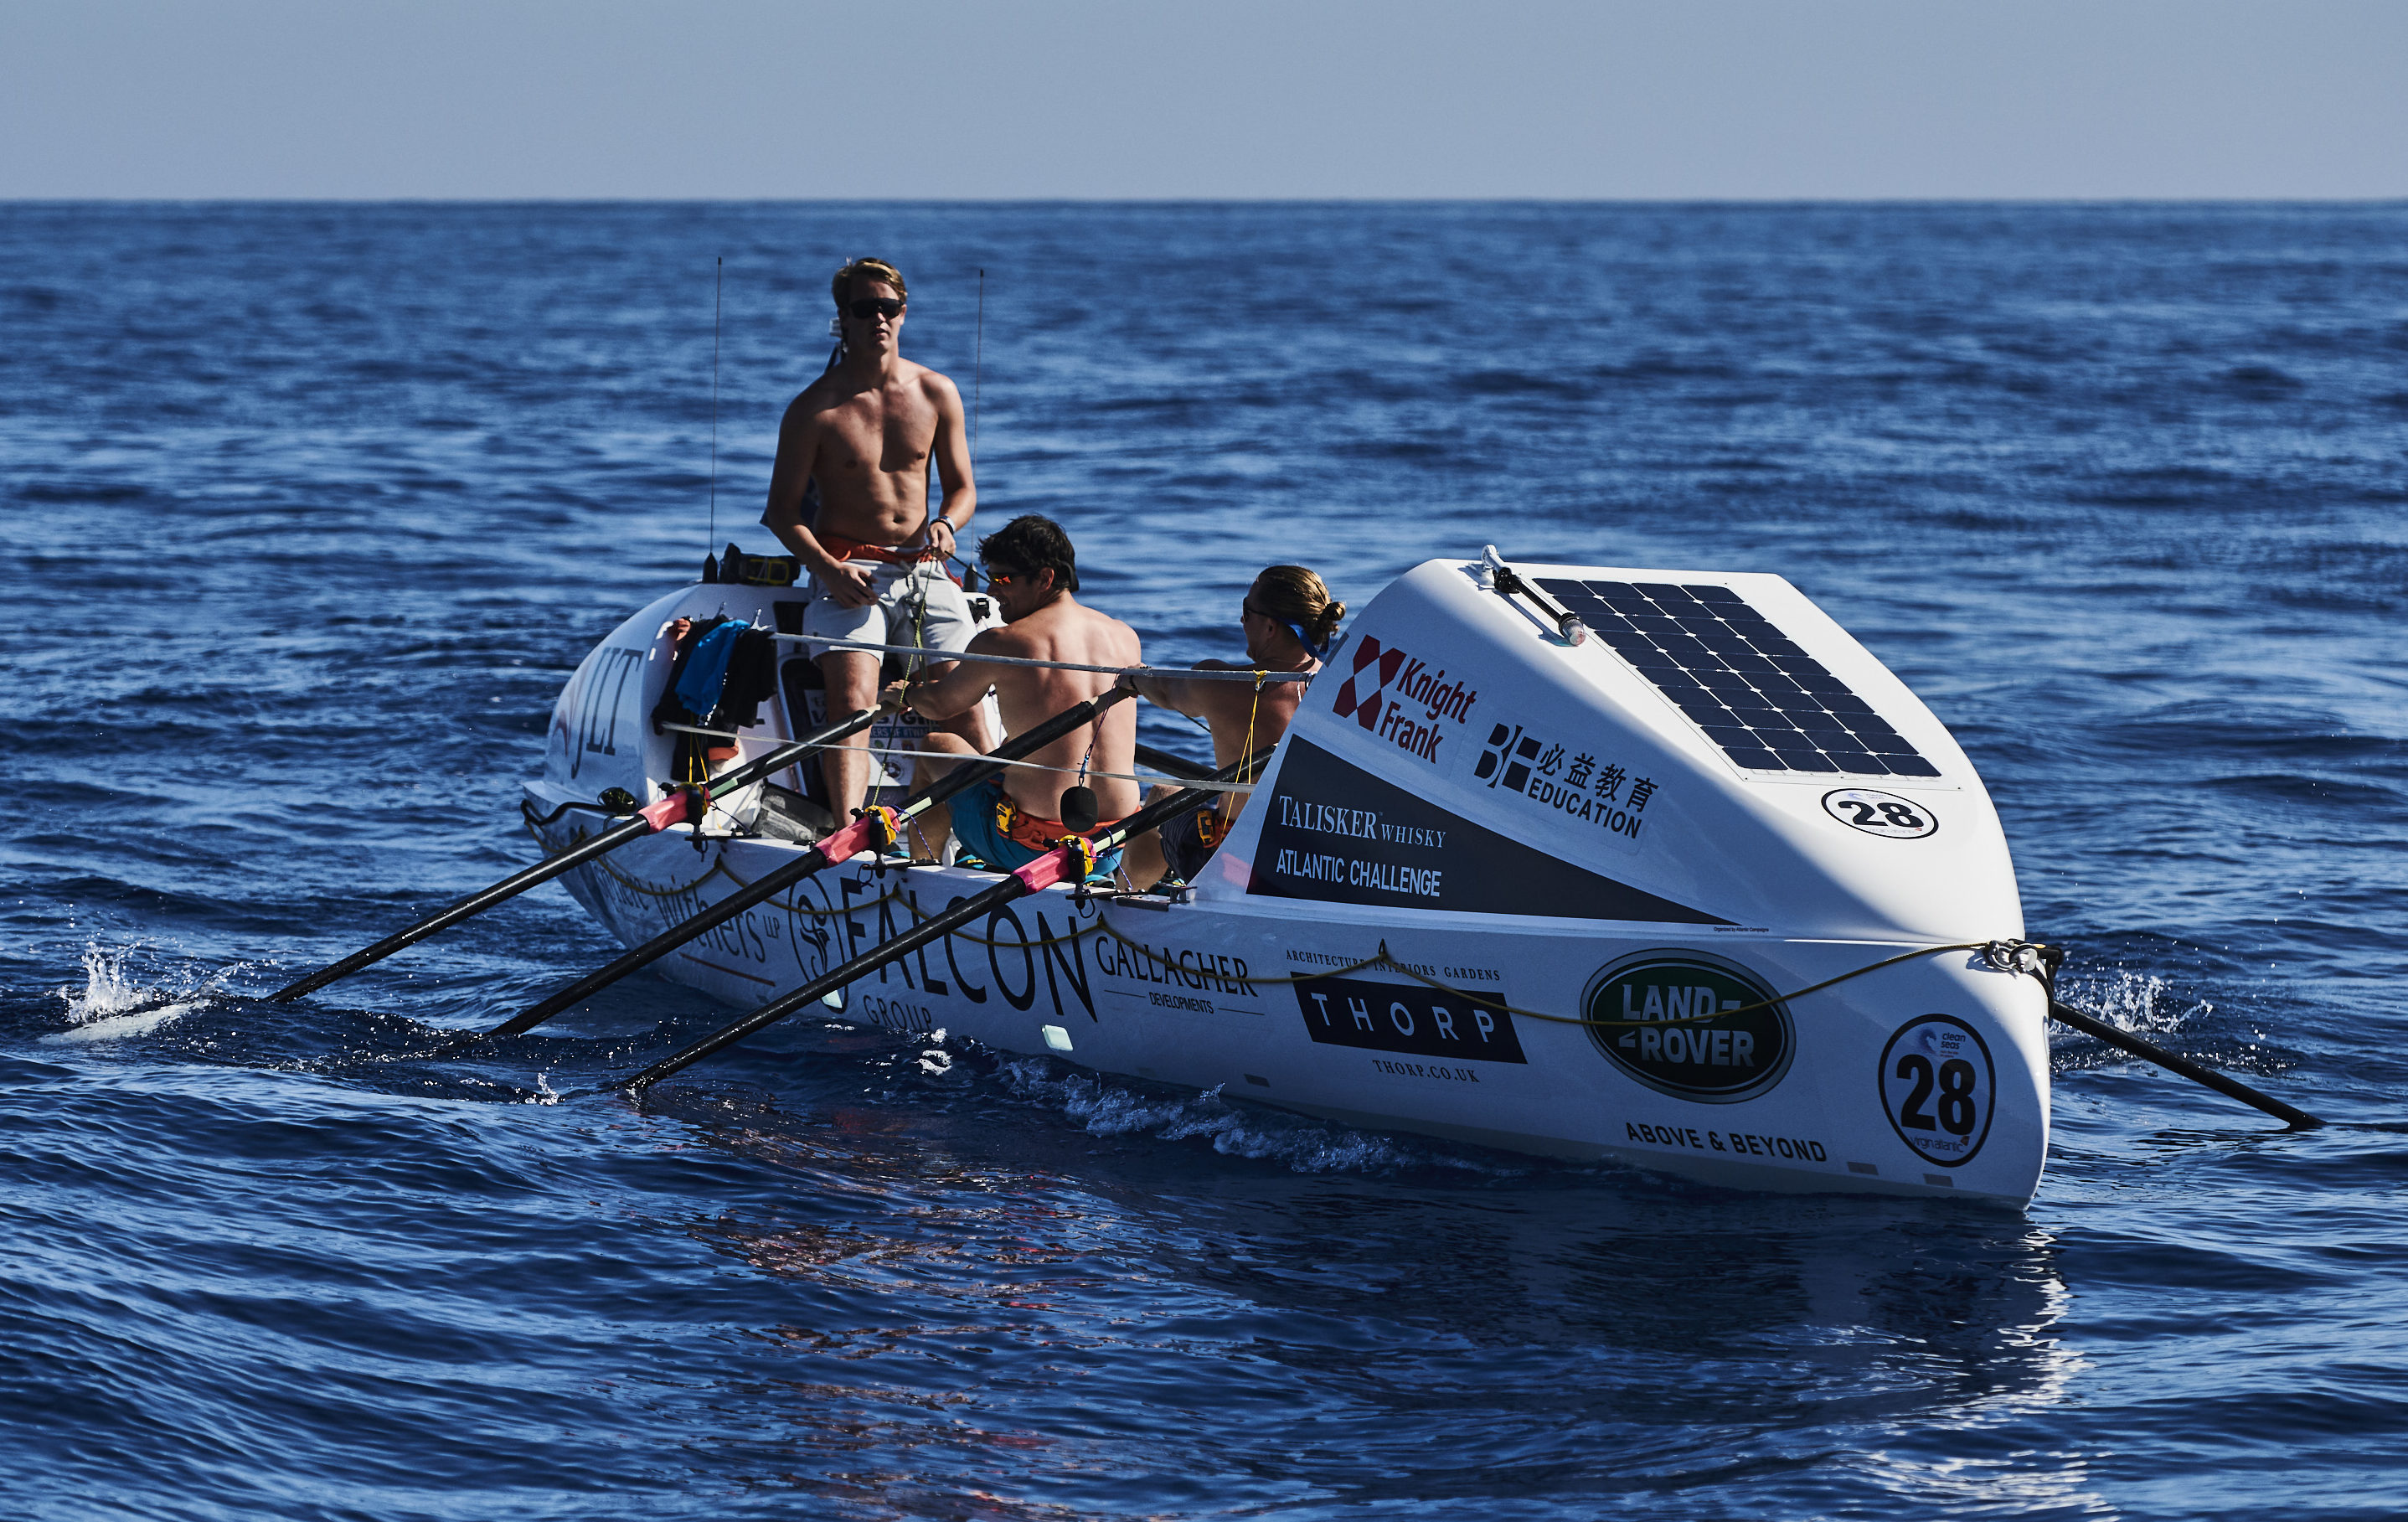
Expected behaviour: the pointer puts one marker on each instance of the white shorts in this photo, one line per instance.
(916, 605)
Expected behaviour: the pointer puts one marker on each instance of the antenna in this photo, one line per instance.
(718, 281)
(978, 363)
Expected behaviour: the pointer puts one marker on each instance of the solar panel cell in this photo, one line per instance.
(1753, 690)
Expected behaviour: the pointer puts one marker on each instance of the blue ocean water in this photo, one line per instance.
(311, 509)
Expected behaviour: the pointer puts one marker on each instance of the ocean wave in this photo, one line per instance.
(1105, 1106)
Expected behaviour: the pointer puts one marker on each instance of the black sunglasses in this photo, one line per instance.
(869, 306)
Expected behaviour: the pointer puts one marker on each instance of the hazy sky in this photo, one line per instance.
(944, 98)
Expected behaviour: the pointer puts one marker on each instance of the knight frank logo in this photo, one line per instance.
(1388, 686)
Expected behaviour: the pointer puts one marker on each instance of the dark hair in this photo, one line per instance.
(1029, 544)
(1298, 598)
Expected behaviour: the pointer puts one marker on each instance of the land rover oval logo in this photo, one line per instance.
(1661, 1018)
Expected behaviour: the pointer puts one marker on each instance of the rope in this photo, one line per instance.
(1717, 1014)
(1203, 784)
(716, 869)
(1378, 958)
(1381, 959)
(925, 654)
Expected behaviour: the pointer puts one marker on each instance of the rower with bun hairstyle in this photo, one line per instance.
(1290, 623)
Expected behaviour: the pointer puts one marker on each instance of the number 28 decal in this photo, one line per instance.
(1937, 1084)
(1876, 812)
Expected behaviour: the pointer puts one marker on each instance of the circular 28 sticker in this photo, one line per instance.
(1936, 1084)
(1876, 812)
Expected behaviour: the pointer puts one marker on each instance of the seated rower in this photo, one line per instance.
(1289, 621)
(1008, 821)
(865, 433)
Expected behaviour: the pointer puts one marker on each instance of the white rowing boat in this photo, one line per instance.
(1585, 897)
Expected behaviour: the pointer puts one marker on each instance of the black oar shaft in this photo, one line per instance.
(2223, 1083)
(1176, 765)
(768, 1014)
(760, 891)
(508, 888)
(654, 818)
(838, 847)
(1042, 872)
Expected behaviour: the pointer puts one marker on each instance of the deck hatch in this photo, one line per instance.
(1769, 705)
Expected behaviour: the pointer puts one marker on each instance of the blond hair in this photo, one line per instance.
(1299, 599)
(866, 269)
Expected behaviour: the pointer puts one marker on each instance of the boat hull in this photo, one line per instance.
(1928, 1077)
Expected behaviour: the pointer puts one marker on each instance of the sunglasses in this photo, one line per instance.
(869, 306)
(997, 578)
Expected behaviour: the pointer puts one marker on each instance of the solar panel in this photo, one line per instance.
(1769, 705)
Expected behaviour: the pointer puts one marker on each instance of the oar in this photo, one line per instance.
(1171, 762)
(2090, 1025)
(2041, 964)
(684, 804)
(837, 847)
(1059, 865)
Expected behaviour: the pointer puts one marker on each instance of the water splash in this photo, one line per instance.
(124, 996)
(2141, 1002)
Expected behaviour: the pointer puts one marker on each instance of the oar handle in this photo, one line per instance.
(1176, 765)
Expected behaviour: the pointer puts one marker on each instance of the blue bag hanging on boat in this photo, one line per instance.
(705, 669)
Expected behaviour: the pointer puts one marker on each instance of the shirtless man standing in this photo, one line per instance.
(865, 431)
(1010, 820)
(1289, 620)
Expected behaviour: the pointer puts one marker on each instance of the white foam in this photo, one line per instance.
(2140, 1002)
(117, 1027)
(116, 1003)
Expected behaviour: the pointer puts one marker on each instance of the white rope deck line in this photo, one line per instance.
(951, 655)
(1206, 785)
